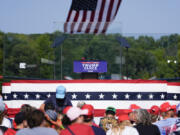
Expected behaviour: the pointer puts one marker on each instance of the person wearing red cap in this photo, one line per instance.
(130, 112)
(88, 119)
(73, 122)
(154, 111)
(165, 124)
(123, 127)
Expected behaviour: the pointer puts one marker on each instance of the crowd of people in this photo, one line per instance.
(57, 116)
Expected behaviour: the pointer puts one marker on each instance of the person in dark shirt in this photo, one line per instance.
(60, 100)
(143, 123)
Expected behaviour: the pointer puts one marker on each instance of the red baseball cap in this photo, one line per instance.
(132, 107)
(66, 109)
(173, 107)
(123, 117)
(165, 107)
(154, 110)
(89, 108)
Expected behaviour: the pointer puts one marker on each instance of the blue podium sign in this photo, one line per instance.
(90, 66)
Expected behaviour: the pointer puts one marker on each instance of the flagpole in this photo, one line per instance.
(123, 43)
(61, 62)
(121, 76)
(57, 42)
(127, 51)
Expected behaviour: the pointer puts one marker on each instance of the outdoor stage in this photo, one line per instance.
(100, 93)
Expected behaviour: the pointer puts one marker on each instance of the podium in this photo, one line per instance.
(90, 69)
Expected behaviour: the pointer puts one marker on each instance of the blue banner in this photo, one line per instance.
(90, 66)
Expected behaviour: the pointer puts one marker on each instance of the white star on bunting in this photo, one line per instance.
(127, 96)
(139, 96)
(5, 96)
(37, 96)
(175, 96)
(15, 95)
(162, 96)
(101, 96)
(26, 96)
(151, 96)
(49, 95)
(114, 96)
(88, 96)
(74, 96)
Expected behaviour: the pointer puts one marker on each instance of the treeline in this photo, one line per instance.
(146, 58)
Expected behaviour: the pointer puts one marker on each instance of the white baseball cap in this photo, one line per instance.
(74, 112)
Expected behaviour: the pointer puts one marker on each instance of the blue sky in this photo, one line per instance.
(134, 16)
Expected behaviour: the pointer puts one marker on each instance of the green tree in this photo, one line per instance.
(22, 54)
(44, 50)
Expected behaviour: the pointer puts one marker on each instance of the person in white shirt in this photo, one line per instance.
(3, 120)
(124, 127)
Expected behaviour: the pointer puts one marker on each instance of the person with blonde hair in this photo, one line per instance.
(109, 118)
(123, 127)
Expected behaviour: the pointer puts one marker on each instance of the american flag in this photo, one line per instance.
(91, 16)
(100, 93)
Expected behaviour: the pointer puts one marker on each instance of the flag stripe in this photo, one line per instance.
(73, 13)
(82, 21)
(94, 20)
(139, 81)
(90, 23)
(74, 21)
(105, 27)
(96, 103)
(78, 22)
(67, 20)
(105, 16)
(119, 2)
(97, 113)
(110, 11)
(100, 16)
(114, 9)
(86, 23)
(108, 19)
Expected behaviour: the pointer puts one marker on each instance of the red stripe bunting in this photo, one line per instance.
(11, 112)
